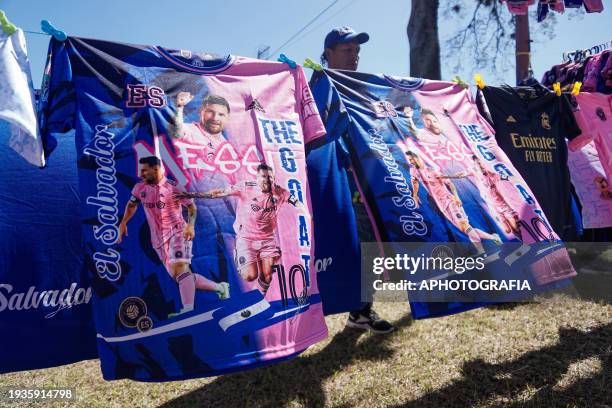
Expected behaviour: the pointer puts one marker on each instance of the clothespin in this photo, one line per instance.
(576, 88)
(48, 28)
(460, 82)
(286, 60)
(557, 88)
(308, 63)
(479, 81)
(8, 27)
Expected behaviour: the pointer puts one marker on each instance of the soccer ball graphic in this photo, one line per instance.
(132, 311)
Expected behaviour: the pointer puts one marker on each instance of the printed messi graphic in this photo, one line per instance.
(431, 171)
(238, 188)
(195, 214)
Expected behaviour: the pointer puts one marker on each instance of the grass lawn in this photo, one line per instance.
(556, 353)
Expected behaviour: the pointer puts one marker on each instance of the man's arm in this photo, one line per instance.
(182, 99)
(296, 203)
(408, 111)
(415, 191)
(456, 176)
(130, 210)
(215, 193)
(189, 232)
(453, 191)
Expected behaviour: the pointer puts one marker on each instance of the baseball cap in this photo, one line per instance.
(342, 35)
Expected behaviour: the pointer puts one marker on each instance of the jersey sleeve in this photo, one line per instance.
(57, 106)
(309, 114)
(285, 196)
(333, 114)
(483, 109)
(576, 142)
(570, 126)
(134, 194)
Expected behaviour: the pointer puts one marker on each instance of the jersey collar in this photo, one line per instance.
(196, 62)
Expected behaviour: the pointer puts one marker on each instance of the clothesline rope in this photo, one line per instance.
(34, 32)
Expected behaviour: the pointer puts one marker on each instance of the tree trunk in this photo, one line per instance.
(523, 48)
(423, 39)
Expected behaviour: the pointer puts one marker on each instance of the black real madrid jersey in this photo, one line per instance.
(531, 125)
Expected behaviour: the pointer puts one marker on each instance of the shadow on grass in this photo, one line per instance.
(534, 374)
(506, 306)
(298, 379)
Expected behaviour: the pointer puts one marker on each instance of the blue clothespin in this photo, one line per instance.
(285, 59)
(48, 28)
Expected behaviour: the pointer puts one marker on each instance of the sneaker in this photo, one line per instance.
(224, 293)
(185, 309)
(370, 321)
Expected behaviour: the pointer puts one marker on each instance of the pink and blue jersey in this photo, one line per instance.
(128, 110)
(372, 122)
(593, 113)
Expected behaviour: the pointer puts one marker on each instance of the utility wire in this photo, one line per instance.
(302, 29)
(315, 28)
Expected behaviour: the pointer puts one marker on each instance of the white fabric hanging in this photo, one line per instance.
(17, 103)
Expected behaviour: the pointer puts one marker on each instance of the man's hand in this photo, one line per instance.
(183, 98)
(189, 233)
(514, 223)
(416, 202)
(122, 231)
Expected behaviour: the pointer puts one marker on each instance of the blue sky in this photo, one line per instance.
(241, 27)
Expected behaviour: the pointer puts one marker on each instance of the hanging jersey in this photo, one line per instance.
(337, 250)
(592, 186)
(400, 131)
(593, 112)
(237, 113)
(531, 124)
(45, 293)
(17, 98)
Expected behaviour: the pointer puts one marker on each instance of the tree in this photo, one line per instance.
(423, 38)
(485, 41)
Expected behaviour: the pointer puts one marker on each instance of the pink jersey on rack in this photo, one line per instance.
(591, 186)
(164, 213)
(592, 72)
(593, 112)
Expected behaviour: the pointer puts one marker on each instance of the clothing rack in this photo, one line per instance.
(580, 55)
